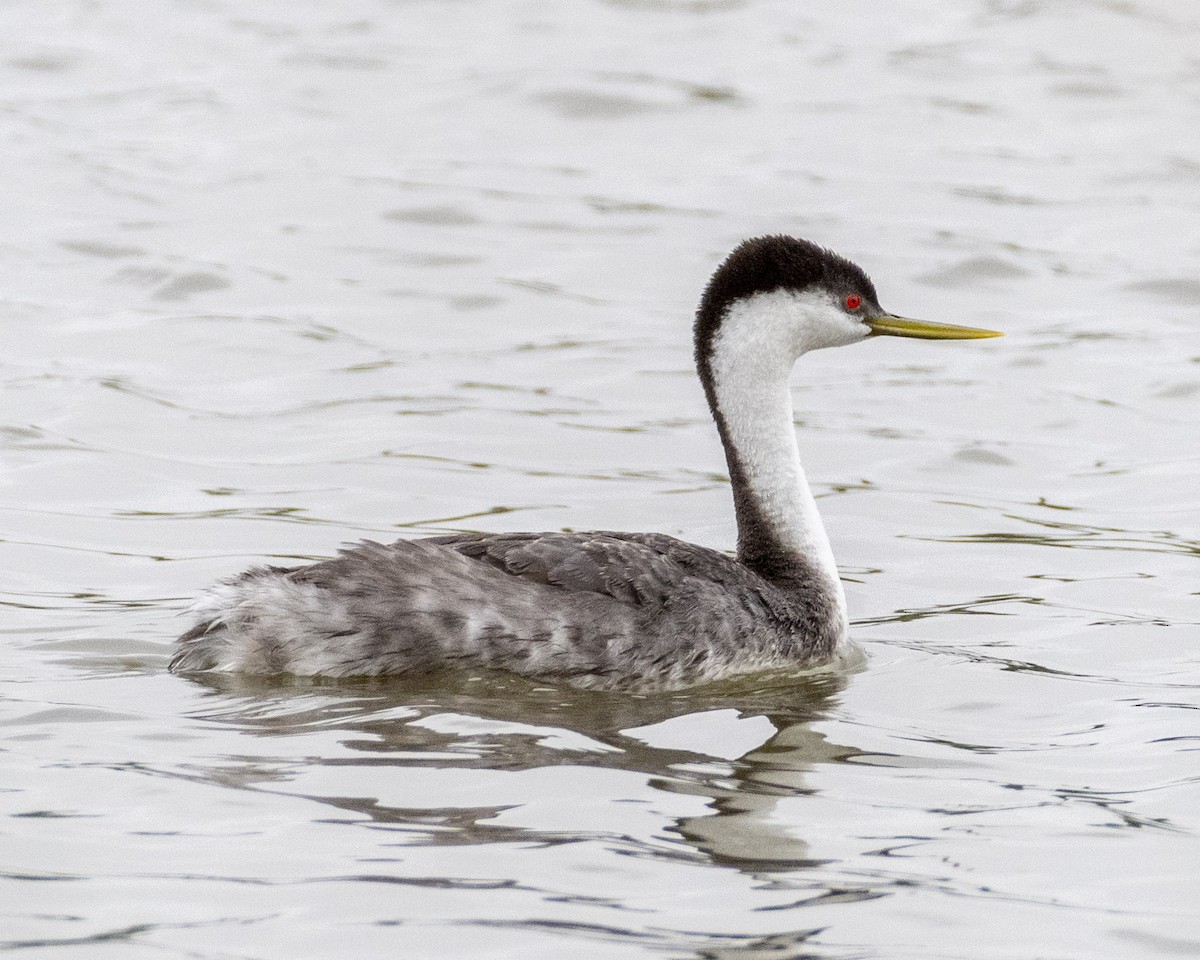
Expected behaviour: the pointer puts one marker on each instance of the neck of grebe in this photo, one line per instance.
(780, 533)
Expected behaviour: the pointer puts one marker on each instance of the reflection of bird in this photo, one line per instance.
(602, 610)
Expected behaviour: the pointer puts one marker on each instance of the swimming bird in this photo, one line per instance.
(603, 610)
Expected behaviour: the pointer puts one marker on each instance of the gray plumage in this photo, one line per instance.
(602, 610)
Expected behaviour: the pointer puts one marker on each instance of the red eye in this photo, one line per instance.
(853, 302)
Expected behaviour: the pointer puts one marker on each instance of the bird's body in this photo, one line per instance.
(601, 610)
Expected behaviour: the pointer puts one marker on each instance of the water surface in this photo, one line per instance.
(281, 276)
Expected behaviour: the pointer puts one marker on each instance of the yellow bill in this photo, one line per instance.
(889, 326)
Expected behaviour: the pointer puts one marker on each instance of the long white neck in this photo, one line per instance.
(780, 532)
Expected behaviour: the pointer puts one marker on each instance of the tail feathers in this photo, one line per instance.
(213, 642)
(201, 648)
(263, 622)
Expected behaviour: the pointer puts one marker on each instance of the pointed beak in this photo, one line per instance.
(889, 326)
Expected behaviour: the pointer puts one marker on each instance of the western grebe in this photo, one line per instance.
(603, 610)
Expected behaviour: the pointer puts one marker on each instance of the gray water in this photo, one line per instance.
(279, 276)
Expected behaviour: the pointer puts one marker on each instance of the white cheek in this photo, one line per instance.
(781, 325)
(835, 327)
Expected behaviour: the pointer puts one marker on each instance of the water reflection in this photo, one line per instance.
(680, 744)
(741, 832)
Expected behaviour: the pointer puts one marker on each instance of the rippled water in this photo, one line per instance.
(279, 276)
